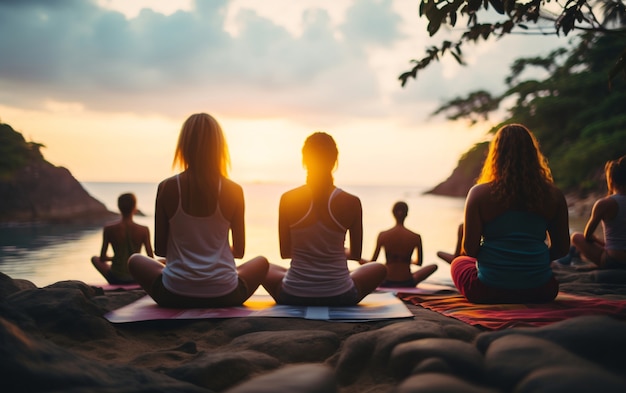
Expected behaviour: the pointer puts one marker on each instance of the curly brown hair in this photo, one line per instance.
(517, 169)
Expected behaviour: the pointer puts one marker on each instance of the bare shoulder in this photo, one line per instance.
(142, 228)
(382, 235)
(605, 205)
(295, 194)
(168, 185)
(479, 192)
(346, 197)
(231, 198)
(556, 192)
(414, 234)
(231, 187)
(108, 228)
(479, 189)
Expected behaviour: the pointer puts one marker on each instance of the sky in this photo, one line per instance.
(105, 85)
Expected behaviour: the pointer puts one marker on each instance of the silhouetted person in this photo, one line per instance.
(126, 237)
(313, 221)
(610, 252)
(446, 256)
(509, 214)
(400, 244)
(197, 212)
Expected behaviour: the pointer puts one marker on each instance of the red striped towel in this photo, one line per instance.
(502, 316)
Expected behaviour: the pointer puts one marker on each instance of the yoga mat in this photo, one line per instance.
(423, 288)
(375, 306)
(502, 316)
(116, 287)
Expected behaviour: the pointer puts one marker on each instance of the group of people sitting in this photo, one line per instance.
(515, 224)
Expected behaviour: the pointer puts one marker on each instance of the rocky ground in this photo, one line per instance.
(55, 339)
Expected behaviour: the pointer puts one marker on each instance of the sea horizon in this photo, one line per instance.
(51, 253)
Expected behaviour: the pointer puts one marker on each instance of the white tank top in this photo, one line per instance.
(319, 267)
(200, 262)
(615, 229)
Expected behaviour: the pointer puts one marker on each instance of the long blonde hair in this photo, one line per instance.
(202, 151)
(517, 169)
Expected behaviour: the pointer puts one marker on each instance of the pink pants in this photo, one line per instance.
(465, 277)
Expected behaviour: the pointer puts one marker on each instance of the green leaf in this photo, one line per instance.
(497, 5)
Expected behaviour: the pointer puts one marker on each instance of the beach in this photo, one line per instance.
(55, 338)
(48, 254)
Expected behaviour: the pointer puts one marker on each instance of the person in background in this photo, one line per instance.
(515, 223)
(312, 226)
(126, 237)
(610, 252)
(400, 243)
(446, 256)
(196, 213)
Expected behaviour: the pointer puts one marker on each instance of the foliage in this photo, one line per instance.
(516, 16)
(579, 122)
(15, 152)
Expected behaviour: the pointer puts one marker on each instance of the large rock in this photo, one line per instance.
(43, 193)
(55, 339)
(465, 174)
(34, 190)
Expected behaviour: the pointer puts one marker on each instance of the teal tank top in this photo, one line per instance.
(514, 253)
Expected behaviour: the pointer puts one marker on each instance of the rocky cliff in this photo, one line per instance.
(468, 169)
(32, 190)
(464, 175)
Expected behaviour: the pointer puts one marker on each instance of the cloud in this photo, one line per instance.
(372, 22)
(77, 52)
(237, 59)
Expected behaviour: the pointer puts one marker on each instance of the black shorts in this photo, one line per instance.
(166, 298)
(349, 298)
(113, 279)
(398, 284)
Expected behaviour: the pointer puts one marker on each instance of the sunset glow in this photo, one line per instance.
(106, 86)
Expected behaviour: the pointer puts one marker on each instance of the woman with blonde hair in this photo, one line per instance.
(313, 221)
(196, 211)
(516, 222)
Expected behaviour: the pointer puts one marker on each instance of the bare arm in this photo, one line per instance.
(356, 232)
(419, 250)
(598, 213)
(147, 244)
(377, 249)
(237, 223)
(284, 233)
(558, 229)
(105, 246)
(161, 222)
(472, 227)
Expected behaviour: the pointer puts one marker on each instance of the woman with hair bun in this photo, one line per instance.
(312, 226)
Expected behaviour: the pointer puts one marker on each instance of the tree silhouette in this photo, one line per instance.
(598, 17)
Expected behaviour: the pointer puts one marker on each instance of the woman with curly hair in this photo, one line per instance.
(516, 222)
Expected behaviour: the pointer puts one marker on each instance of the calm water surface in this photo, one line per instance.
(47, 254)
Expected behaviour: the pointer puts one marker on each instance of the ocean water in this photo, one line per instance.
(47, 254)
